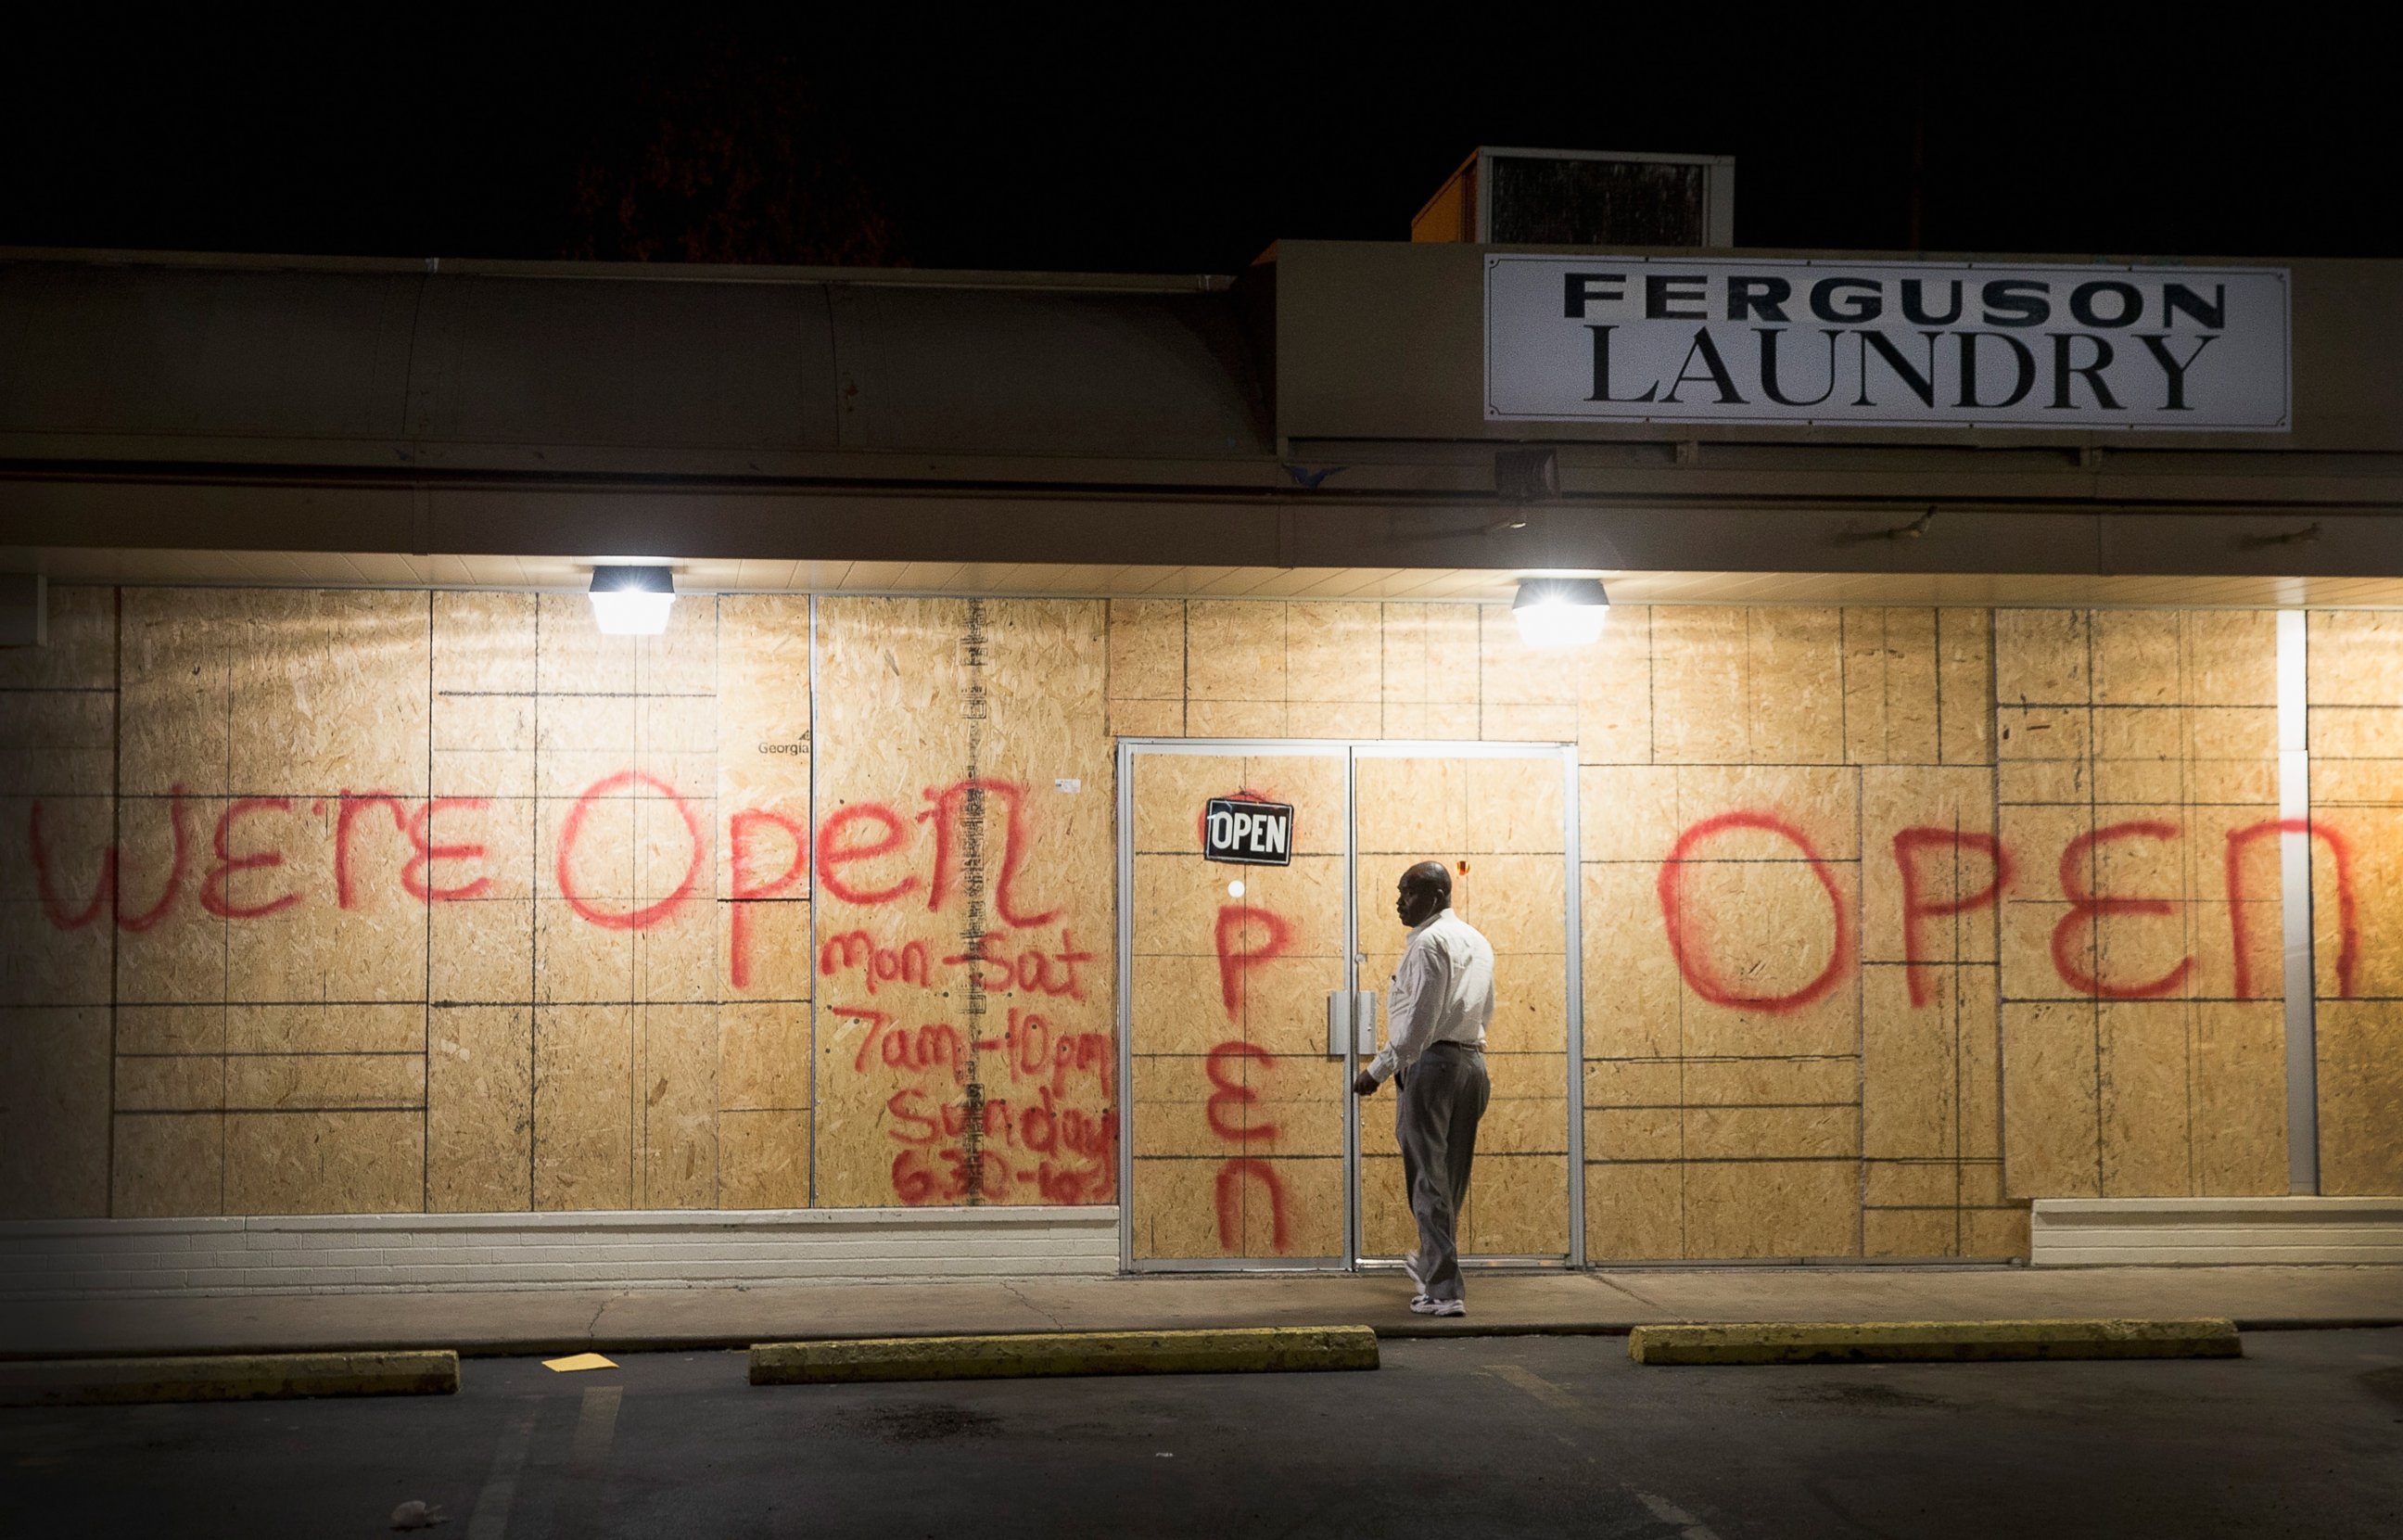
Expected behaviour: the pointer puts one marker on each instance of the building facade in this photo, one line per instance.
(1948, 820)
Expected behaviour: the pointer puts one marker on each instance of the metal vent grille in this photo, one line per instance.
(1557, 202)
(1575, 198)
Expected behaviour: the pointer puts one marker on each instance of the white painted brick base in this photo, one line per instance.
(356, 1254)
(2116, 1231)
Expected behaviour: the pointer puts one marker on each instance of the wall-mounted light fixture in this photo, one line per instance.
(1522, 476)
(632, 600)
(1560, 612)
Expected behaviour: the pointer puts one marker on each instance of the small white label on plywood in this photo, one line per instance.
(1068, 784)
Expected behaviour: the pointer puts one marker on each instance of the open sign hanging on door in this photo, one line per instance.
(1247, 833)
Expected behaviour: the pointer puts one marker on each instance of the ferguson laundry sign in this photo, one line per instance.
(1670, 339)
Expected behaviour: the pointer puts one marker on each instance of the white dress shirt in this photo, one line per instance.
(1442, 992)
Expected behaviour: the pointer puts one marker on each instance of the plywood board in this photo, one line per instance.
(1924, 1184)
(54, 1125)
(1146, 649)
(329, 687)
(1147, 718)
(175, 701)
(763, 1057)
(2353, 656)
(1774, 1133)
(1230, 1080)
(1517, 1206)
(968, 741)
(1890, 693)
(1772, 1208)
(168, 950)
(1497, 824)
(1700, 663)
(1429, 660)
(583, 1107)
(1993, 1232)
(1235, 650)
(762, 738)
(481, 951)
(1910, 1069)
(325, 1161)
(483, 648)
(1512, 672)
(1845, 726)
(763, 1159)
(2353, 662)
(58, 743)
(2239, 1099)
(2050, 1094)
(1264, 1208)
(1615, 695)
(2361, 1098)
(1790, 812)
(1634, 1210)
(1932, 874)
(675, 1080)
(1964, 685)
(1627, 813)
(683, 958)
(1635, 995)
(1900, 1234)
(480, 1102)
(1334, 656)
(81, 651)
(47, 965)
(2043, 657)
(1794, 686)
(262, 1082)
(2136, 657)
(2228, 658)
(2144, 1067)
(1767, 946)
(1979, 1076)
(166, 1165)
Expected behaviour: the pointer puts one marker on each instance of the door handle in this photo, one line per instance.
(1364, 1023)
(1339, 1022)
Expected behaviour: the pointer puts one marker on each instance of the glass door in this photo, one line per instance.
(1498, 819)
(1244, 1001)
(1239, 1125)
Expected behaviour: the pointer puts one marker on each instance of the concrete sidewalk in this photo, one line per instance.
(565, 1320)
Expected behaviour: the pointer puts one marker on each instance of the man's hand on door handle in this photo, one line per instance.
(1363, 1084)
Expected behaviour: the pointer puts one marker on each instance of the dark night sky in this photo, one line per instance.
(1191, 149)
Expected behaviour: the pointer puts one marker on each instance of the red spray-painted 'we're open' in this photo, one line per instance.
(1944, 873)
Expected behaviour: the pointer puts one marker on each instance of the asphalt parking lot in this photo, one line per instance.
(1472, 1436)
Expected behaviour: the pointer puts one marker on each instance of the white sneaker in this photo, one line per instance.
(1424, 1306)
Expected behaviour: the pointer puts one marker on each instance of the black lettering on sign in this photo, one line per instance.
(1246, 833)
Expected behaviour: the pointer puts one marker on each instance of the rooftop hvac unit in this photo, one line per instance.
(1583, 198)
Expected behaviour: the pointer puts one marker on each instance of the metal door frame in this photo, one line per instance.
(1573, 947)
(1129, 750)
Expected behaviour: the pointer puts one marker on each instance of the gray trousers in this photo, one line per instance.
(1439, 1100)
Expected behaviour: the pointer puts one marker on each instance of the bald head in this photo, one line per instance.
(1423, 892)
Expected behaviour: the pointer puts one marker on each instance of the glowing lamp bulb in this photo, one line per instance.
(632, 600)
(1560, 612)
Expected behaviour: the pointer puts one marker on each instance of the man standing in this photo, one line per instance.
(1435, 1011)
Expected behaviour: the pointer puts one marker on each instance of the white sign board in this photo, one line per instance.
(1823, 341)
